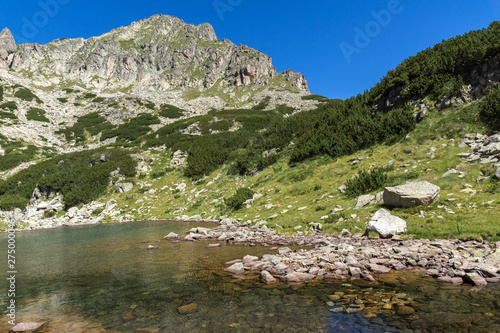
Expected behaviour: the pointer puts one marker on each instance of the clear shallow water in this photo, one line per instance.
(102, 279)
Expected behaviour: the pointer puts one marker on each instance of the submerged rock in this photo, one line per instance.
(186, 309)
(27, 327)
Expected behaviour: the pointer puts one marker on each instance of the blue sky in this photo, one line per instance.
(342, 47)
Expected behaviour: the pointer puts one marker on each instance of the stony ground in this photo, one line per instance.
(342, 258)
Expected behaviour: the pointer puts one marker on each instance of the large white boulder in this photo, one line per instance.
(411, 194)
(386, 225)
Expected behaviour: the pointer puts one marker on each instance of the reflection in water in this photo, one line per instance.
(102, 279)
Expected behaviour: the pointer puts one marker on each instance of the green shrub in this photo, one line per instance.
(11, 201)
(490, 110)
(1, 93)
(37, 114)
(98, 100)
(315, 97)
(236, 201)
(27, 95)
(170, 111)
(285, 109)
(150, 105)
(366, 182)
(89, 95)
(48, 214)
(63, 99)
(263, 104)
(320, 208)
(132, 130)
(15, 153)
(8, 115)
(80, 177)
(158, 174)
(269, 160)
(9, 105)
(91, 124)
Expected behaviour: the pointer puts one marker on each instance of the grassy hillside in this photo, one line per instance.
(295, 162)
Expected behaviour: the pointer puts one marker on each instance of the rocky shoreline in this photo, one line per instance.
(342, 258)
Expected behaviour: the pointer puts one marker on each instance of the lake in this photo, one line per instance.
(101, 278)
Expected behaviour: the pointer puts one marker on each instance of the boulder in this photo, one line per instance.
(123, 187)
(385, 224)
(497, 174)
(475, 279)
(411, 194)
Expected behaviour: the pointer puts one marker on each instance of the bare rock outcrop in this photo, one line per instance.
(411, 194)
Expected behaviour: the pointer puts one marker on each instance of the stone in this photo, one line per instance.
(211, 246)
(236, 268)
(189, 308)
(497, 174)
(345, 233)
(44, 205)
(355, 271)
(379, 269)
(178, 159)
(298, 277)
(27, 327)
(249, 259)
(364, 200)
(267, 277)
(403, 310)
(411, 194)
(152, 247)
(385, 224)
(342, 189)
(450, 172)
(475, 279)
(123, 187)
(171, 235)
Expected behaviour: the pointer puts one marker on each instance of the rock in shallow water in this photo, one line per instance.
(186, 309)
(26, 327)
(236, 268)
(267, 277)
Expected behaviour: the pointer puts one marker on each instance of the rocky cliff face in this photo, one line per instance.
(160, 53)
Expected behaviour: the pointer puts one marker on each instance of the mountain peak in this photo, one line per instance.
(7, 41)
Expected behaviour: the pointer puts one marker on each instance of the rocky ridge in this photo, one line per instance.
(159, 54)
